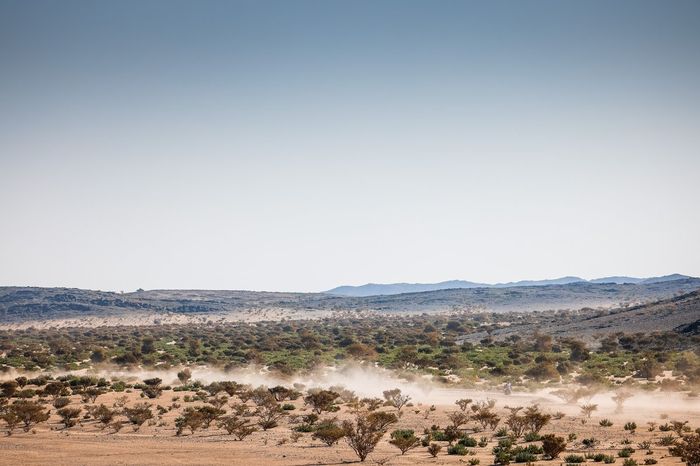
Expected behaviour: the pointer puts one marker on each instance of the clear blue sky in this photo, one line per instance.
(301, 145)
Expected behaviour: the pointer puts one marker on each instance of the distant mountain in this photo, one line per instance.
(378, 289)
(556, 281)
(617, 280)
(666, 278)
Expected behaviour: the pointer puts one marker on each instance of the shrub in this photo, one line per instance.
(321, 400)
(590, 442)
(502, 432)
(269, 413)
(184, 376)
(140, 413)
(650, 461)
(688, 449)
(434, 449)
(61, 402)
(631, 427)
(588, 409)
(629, 462)
(191, 418)
(625, 452)
(458, 418)
(24, 412)
(457, 449)
(236, 426)
(329, 432)
(524, 457)
(364, 433)
(463, 403)
(404, 440)
(468, 441)
(395, 398)
(102, 414)
(532, 437)
(605, 423)
(553, 445)
(535, 419)
(574, 459)
(69, 416)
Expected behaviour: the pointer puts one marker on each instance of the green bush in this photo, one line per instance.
(457, 449)
(524, 457)
(625, 452)
(468, 441)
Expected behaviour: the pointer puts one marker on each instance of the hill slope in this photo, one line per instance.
(679, 314)
(19, 304)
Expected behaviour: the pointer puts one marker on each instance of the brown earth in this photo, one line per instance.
(157, 444)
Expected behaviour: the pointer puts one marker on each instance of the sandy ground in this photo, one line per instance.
(157, 444)
(168, 318)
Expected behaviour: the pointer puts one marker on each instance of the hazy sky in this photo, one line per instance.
(301, 145)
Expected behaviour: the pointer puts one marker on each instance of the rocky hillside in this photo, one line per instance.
(19, 304)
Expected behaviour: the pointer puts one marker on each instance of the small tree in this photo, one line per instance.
(191, 418)
(153, 389)
(269, 414)
(12, 420)
(184, 375)
(89, 395)
(395, 398)
(321, 400)
(328, 432)
(458, 418)
(434, 449)
(588, 409)
(688, 449)
(209, 414)
(140, 413)
(463, 403)
(8, 388)
(54, 389)
(404, 440)
(516, 423)
(69, 416)
(535, 419)
(484, 415)
(280, 392)
(29, 413)
(364, 433)
(553, 445)
(103, 414)
(619, 398)
(236, 426)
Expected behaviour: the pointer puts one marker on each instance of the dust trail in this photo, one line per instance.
(370, 381)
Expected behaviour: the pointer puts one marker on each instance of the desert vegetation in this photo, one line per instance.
(496, 429)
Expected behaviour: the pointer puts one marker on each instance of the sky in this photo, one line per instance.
(301, 145)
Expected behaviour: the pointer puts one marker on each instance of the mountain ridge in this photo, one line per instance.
(388, 289)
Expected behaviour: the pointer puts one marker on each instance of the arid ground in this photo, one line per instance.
(156, 441)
